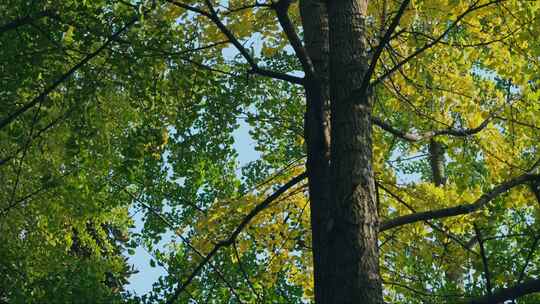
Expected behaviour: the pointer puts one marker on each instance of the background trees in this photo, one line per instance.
(116, 108)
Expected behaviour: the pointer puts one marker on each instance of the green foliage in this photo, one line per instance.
(147, 126)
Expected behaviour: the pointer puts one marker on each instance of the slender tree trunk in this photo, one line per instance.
(317, 133)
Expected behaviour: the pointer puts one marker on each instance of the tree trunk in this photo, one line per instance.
(317, 134)
(342, 188)
(353, 275)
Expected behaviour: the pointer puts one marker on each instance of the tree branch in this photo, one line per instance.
(188, 244)
(230, 240)
(430, 44)
(483, 255)
(378, 51)
(460, 209)
(245, 274)
(528, 259)
(412, 137)
(281, 7)
(428, 223)
(38, 134)
(510, 293)
(213, 16)
(10, 118)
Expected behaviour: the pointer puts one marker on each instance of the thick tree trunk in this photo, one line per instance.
(353, 276)
(342, 190)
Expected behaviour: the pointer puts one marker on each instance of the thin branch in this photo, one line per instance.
(528, 259)
(518, 122)
(10, 118)
(485, 264)
(421, 292)
(4, 211)
(244, 7)
(230, 240)
(460, 209)
(189, 8)
(469, 45)
(213, 16)
(206, 67)
(430, 44)
(412, 137)
(428, 223)
(24, 153)
(383, 42)
(245, 274)
(186, 51)
(37, 135)
(188, 244)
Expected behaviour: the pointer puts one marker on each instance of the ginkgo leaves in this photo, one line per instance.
(152, 118)
(278, 236)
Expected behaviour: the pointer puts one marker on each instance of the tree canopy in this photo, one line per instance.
(112, 110)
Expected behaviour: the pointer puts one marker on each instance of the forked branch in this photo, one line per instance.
(281, 7)
(213, 16)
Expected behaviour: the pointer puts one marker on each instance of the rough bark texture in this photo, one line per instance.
(317, 133)
(342, 190)
(353, 273)
(436, 159)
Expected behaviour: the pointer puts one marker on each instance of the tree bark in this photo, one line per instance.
(317, 134)
(436, 160)
(352, 270)
(342, 189)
